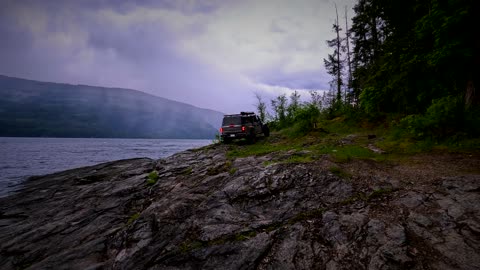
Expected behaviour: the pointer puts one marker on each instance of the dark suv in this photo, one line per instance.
(244, 125)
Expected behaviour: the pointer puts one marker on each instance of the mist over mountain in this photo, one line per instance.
(43, 109)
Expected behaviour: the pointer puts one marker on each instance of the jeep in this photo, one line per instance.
(244, 125)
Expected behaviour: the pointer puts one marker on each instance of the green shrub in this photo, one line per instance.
(152, 178)
(472, 121)
(306, 117)
(444, 117)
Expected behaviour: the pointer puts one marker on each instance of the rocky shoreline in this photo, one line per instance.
(207, 211)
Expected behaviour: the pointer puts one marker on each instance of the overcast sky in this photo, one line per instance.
(212, 54)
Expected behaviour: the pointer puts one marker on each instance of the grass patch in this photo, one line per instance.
(315, 213)
(376, 194)
(345, 153)
(244, 236)
(269, 162)
(133, 218)
(348, 152)
(152, 178)
(339, 172)
(232, 171)
(187, 171)
(354, 198)
(329, 139)
(410, 146)
(258, 149)
(226, 167)
(317, 146)
(299, 159)
(340, 125)
(188, 246)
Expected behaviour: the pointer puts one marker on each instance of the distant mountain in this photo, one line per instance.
(43, 109)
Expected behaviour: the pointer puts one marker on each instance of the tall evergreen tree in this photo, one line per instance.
(334, 64)
(349, 62)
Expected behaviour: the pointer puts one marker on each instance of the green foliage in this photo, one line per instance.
(261, 107)
(299, 159)
(258, 149)
(187, 171)
(444, 117)
(217, 139)
(312, 214)
(305, 118)
(472, 121)
(152, 178)
(232, 171)
(133, 218)
(348, 152)
(244, 236)
(297, 118)
(225, 167)
(188, 246)
(416, 58)
(339, 172)
(279, 105)
(374, 195)
(379, 193)
(294, 105)
(370, 100)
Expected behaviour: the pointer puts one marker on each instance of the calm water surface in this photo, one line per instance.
(24, 157)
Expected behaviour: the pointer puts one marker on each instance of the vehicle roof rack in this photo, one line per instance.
(245, 113)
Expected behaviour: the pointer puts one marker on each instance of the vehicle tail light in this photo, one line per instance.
(221, 130)
(243, 128)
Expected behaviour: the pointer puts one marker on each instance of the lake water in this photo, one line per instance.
(24, 157)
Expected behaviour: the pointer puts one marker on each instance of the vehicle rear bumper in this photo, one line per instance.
(234, 135)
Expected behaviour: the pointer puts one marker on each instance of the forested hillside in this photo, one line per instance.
(32, 109)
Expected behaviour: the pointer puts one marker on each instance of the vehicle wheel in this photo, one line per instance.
(252, 137)
(266, 130)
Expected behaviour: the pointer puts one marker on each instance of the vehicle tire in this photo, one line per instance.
(252, 137)
(266, 130)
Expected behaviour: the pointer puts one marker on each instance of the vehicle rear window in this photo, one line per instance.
(247, 120)
(232, 120)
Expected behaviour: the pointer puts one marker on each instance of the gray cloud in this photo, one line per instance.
(212, 54)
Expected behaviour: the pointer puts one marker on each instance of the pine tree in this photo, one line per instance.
(349, 62)
(334, 64)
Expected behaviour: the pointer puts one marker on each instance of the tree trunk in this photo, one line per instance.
(349, 63)
(339, 78)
